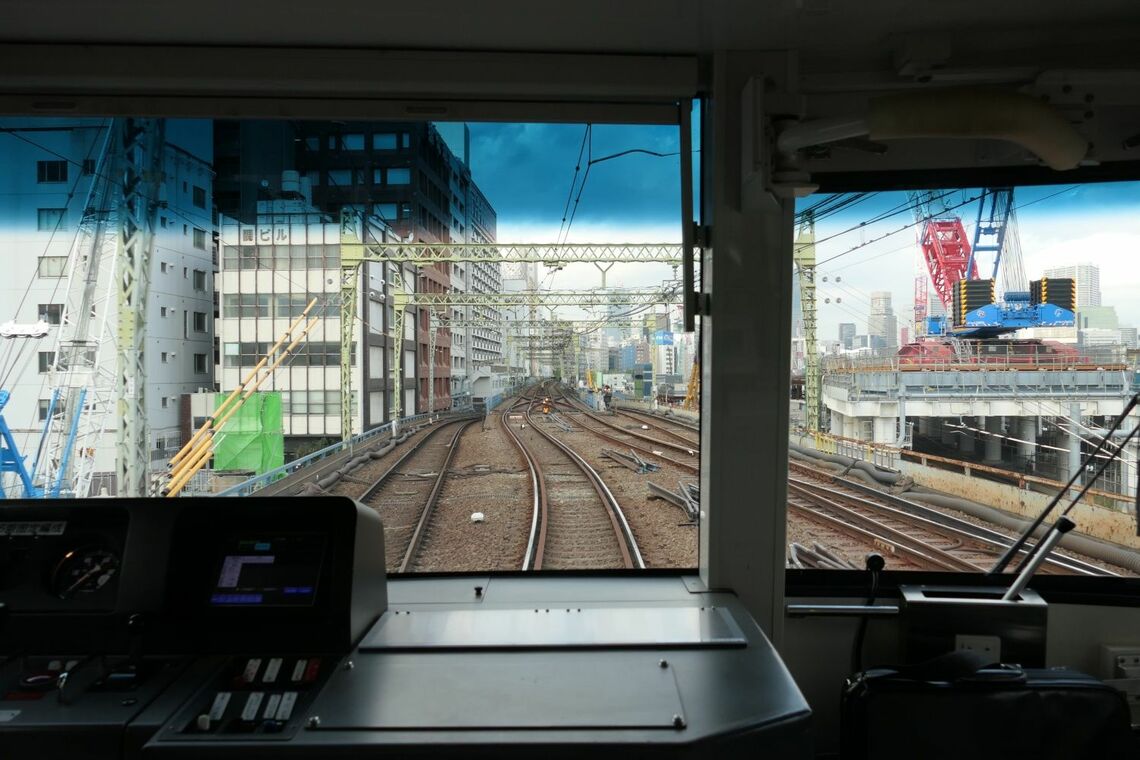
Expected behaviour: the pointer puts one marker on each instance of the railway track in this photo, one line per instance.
(405, 494)
(630, 439)
(677, 431)
(914, 534)
(577, 522)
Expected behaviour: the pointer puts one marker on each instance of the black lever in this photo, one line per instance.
(874, 563)
(1017, 545)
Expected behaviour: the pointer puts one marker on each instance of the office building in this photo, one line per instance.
(846, 334)
(1088, 282)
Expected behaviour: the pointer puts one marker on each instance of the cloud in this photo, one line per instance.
(526, 170)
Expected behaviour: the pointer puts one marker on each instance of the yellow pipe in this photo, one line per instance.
(179, 481)
(176, 468)
(229, 399)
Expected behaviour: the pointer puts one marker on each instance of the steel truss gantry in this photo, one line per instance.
(804, 257)
(143, 144)
(637, 297)
(423, 254)
(359, 244)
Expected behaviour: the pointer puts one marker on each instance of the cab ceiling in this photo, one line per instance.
(829, 34)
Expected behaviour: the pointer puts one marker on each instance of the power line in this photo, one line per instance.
(573, 180)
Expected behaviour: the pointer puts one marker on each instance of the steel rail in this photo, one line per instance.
(974, 532)
(694, 468)
(627, 543)
(690, 448)
(379, 481)
(532, 557)
(895, 536)
(651, 421)
(429, 505)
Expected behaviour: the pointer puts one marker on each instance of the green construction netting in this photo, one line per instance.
(253, 439)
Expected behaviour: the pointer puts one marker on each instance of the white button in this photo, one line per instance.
(288, 700)
(251, 669)
(299, 670)
(271, 706)
(218, 709)
(271, 670)
(252, 703)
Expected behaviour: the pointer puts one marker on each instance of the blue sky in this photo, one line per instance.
(526, 171)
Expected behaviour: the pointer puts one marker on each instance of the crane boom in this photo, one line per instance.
(82, 373)
(944, 245)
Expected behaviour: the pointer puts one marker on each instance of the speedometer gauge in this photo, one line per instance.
(84, 571)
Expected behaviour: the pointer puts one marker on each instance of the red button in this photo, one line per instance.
(311, 671)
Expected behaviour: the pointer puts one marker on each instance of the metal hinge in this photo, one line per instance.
(700, 235)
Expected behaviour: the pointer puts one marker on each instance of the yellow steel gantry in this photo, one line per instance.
(804, 257)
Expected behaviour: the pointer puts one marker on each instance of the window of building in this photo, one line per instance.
(199, 321)
(340, 177)
(199, 280)
(162, 267)
(231, 353)
(399, 176)
(386, 211)
(312, 144)
(246, 305)
(46, 359)
(199, 238)
(384, 141)
(42, 407)
(162, 311)
(52, 313)
(404, 140)
(164, 357)
(88, 166)
(164, 402)
(162, 222)
(199, 197)
(51, 171)
(51, 219)
(352, 142)
(200, 364)
(52, 266)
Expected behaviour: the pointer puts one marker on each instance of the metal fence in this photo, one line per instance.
(256, 483)
(876, 453)
(973, 356)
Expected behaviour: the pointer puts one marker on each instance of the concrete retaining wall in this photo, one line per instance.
(1092, 520)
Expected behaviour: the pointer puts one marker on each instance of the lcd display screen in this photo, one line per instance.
(269, 571)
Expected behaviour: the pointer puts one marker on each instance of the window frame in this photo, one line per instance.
(42, 172)
(44, 313)
(43, 222)
(1070, 589)
(62, 260)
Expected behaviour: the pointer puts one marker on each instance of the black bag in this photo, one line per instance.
(959, 706)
